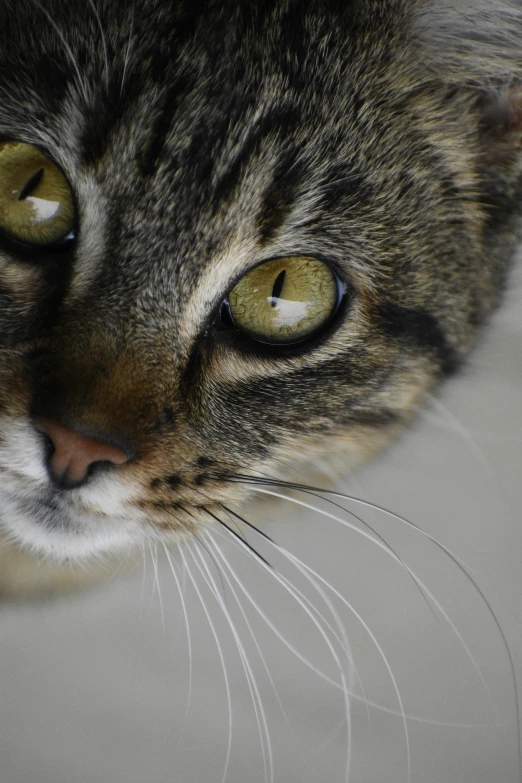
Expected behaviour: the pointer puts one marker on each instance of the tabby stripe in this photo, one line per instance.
(421, 327)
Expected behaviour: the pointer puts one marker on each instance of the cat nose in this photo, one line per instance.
(70, 463)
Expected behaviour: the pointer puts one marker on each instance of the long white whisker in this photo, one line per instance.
(264, 735)
(275, 630)
(154, 558)
(342, 639)
(382, 543)
(255, 482)
(423, 587)
(467, 571)
(104, 43)
(303, 567)
(72, 59)
(352, 694)
(225, 562)
(221, 658)
(302, 601)
(187, 629)
(128, 51)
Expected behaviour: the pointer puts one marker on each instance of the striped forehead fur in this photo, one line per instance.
(202, 139)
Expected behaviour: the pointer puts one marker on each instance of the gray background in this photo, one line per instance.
(94, 687)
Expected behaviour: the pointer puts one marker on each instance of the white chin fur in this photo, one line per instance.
(62, 537)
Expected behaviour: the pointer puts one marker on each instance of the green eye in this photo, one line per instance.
(284, 300)
(36, 203)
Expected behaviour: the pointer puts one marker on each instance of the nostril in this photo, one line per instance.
(73, 458)
(48, 445)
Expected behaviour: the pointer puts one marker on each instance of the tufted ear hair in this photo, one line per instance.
(476, 46)
(476, 43)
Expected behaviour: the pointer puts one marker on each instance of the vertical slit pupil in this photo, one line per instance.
(31, 184)
(278, 287)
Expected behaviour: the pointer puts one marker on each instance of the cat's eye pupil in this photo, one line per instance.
(31, 184)
(284, 300)
(36, 202)
(278, 287)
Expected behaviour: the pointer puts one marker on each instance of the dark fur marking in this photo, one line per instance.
(279, 120)
(420, 326)
(150, 152)
(345, 185)
(156, 483)
(205, 462)
(280, 197)
(168, 412)
(174, 480)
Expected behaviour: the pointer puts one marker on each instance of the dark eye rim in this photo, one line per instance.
(29, 250)
(240, 343)
(343, 293)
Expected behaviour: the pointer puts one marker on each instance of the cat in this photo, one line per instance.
(232, 234)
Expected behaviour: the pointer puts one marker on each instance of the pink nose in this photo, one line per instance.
(74, 454)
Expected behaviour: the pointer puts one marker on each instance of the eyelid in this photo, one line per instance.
(310, 307)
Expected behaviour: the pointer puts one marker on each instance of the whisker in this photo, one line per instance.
(287, 644)
(104, 43)
(325, 677)
(128, 51)
(264, 735)
(87, 95)
(385, 545)
(255, 480)
(303, 567)
(234, 575)
(187, 629)
(196, 535)
(461, 565)
(422, 587)
(154, 558)
(222, 659)
(236, 535)
(343, 644)
(228, 566)
(303, 601)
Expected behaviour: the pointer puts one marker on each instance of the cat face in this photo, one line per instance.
(231, 238)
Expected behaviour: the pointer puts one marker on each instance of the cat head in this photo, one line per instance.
(234, 236)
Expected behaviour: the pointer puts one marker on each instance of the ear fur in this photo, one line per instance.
(475, 43)
(475, 46)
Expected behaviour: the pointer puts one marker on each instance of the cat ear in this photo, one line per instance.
(476, 46)
(477, 43)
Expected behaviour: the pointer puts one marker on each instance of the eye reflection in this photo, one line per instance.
(284, 300)
(36, 203)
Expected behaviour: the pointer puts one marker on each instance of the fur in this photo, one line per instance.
(199, 140)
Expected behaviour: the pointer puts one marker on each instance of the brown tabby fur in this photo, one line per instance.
(200, 139)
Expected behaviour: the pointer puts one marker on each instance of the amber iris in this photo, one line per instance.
(284, 300)
(36, 203)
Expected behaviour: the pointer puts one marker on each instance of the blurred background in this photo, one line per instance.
(389, 645)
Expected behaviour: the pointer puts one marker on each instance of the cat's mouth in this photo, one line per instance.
(54, 527)
(108, 513)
